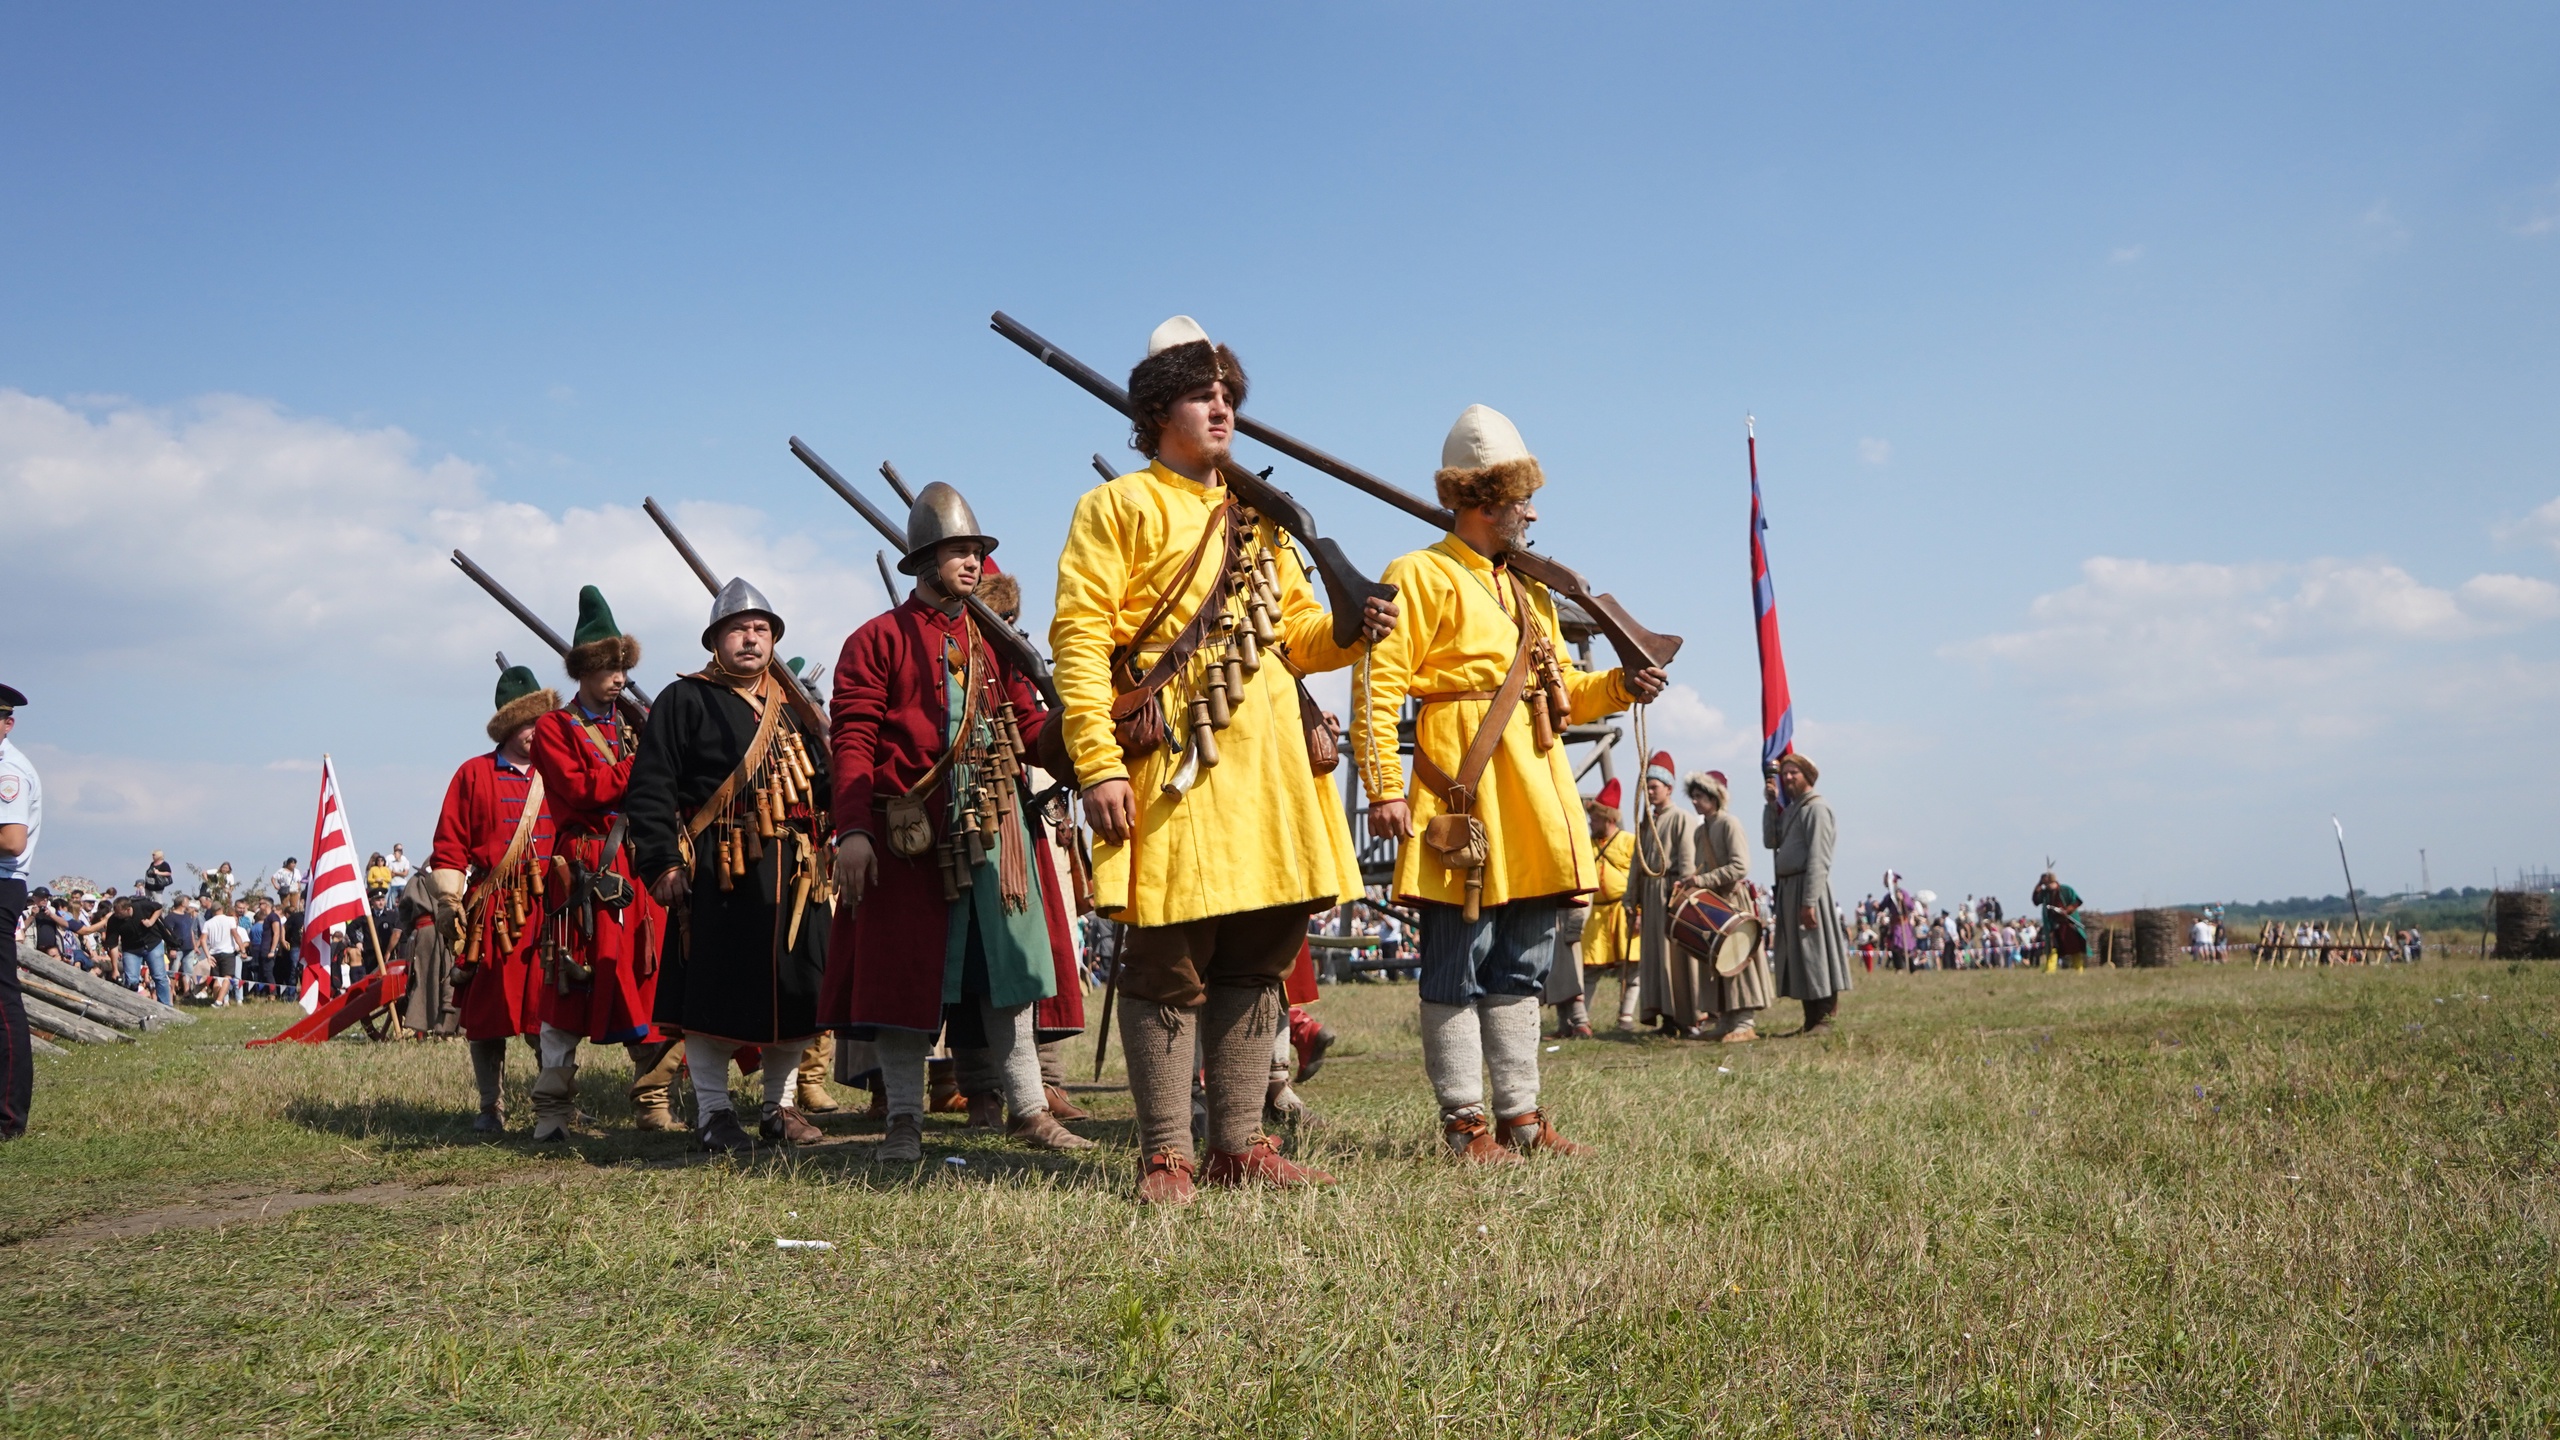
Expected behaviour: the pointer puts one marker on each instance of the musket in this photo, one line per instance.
(807, 686)
(1102, 468)
(1636, 646)
(897, 485)
(1344, 585)
(633, 702)
(1006, 640)
(888, 577)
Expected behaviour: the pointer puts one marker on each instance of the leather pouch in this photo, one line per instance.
(1459, 840)
(910, 827)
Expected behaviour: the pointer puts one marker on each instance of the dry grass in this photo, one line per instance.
(2192, 1202)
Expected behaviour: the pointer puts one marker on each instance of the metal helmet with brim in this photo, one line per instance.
(939, 514)
(739, 598)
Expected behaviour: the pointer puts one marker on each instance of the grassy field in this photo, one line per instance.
(2195, 1202)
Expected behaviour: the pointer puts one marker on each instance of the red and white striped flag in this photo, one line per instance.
(337, 888)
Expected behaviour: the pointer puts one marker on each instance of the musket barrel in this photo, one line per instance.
(634, 702)
(897, 485)
(683, 546)
(1102, 468)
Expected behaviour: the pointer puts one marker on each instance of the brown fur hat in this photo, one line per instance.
(1171, 373)
(1489, 484)
(520, 712)
(613, 652)
(1001, 592)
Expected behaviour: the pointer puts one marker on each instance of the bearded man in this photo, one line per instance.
(1809, 952)
(1218, 838)
(947, 916)
(1493, 799)
(728, 809)
(492, 849)
(601, 953)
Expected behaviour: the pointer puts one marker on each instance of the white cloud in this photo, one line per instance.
(2542, 527)
(223, 590)
(2517, 599)
(2125, 254)
(1874, 451)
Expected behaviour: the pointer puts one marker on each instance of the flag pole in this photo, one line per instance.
(2351, 874)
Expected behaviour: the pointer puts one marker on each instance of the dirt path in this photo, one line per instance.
(218, 1210)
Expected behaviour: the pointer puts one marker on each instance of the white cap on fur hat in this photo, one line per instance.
(1483, 436)
(1180, 330)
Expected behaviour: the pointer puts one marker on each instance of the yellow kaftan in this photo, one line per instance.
(1604, 935)
(1258, 830)
(1454, 633)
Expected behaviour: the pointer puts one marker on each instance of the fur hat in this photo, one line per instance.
(521, 700)
(1708, 782)
(1485, 462)
(1812, 773)
(598, 644)
(1180, 359)
(1660, 768)
(1605, 801)
(1002, 592)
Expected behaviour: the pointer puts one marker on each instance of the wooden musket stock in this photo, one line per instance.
(1344, 585)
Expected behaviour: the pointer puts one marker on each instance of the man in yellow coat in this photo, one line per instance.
(1178, 622)
(1501, 843)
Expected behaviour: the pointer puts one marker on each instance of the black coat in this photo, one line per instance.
(719, 975)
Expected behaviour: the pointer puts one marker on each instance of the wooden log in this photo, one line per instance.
(54, 1020)
(77, 1004)
(42, 1046)
(72, 977)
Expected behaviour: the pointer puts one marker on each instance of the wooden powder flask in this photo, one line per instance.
(1248, 650)
(1214, 695)
(1475, 894)
(1236, 674)
(1204, 736)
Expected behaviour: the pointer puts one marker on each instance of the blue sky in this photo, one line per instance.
(2157, 405)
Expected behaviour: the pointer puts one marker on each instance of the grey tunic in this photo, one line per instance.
(1667, 842)
(1811, 964)
(1724, 864)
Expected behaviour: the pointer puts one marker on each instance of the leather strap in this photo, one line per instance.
(517, 844)
(969, 684)
(1450, 697)
(1457, 794)
(603, 751)
(714, 807)
(1186, 644)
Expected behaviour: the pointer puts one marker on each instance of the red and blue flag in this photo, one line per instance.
(1777, 709)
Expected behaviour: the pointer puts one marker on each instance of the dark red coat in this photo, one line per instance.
(888, 720)
(481, 808)
(585, 768)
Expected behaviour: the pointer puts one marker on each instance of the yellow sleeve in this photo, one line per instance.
(1306, 625)
(1593, 693)
(1386, 676)
(1093, 578)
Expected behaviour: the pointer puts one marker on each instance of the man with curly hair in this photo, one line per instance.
(1492, 801)
(1180, 618)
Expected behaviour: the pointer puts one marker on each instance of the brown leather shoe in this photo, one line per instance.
(942, 1094)
(1061, 1106)
(1470, 1139)
(1260, 1164)
(986, 1112)
(1041, 1131)
(878, 1109)
(790, 1127)
(1165, 1179)
(1316, 1048)
(1531, 1132)
(1740, 1035)
(722, 1134)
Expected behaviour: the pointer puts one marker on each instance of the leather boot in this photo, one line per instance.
(878, 1109)
(986, 1112)
(1260, 1164)
(722, 1134)
(655, 1064)
(1061, 1106)
(816, 1063)
(1282, 1107)
(488, 1075)
(1530, 1133)
(1041, 1131)
(555, 1092)
(942, 1087)
(1470, 1139)
(1165, 1179)
(904, 1144)
(787, 1126)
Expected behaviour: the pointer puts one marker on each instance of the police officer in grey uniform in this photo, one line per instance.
(21, 820)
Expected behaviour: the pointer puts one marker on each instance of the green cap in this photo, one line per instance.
(515, 683)
(795, 662)
(595, 618)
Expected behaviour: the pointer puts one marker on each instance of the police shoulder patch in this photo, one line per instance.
(11, 787)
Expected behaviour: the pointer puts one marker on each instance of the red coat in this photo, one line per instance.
(888, 720)
(584, 771)
(481, 808)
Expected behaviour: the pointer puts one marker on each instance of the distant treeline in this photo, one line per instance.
(2465, 908)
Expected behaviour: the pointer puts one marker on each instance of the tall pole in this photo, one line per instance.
(2351, 875)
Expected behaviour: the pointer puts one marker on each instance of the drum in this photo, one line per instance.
(1705, 926)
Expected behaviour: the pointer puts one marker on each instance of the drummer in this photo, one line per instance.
(1724, 870)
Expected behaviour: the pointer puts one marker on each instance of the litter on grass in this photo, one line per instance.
(781, 1244)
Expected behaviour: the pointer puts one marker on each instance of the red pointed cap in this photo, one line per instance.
(1660, 768)
(1607, 799)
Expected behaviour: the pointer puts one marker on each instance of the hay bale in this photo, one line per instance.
(2157, 934)
(2522, 917)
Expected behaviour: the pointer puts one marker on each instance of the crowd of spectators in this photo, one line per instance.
(233, 940)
